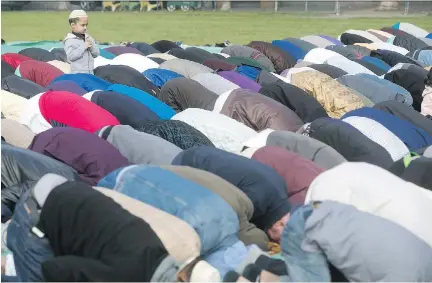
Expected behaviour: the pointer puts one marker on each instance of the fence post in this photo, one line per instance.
(406, 10)
(276, 5)
(306, 6)
(337, 8)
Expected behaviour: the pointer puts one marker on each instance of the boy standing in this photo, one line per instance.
(79, 46)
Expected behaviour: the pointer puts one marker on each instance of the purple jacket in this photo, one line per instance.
(240, 80)
(91, 156)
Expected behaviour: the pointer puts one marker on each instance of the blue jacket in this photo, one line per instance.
(425, 56)
(290, 48)
(261, 183)
(377, 62)
(29, 250)
(302, 265)
(414, 137)
(395, 88)
(249, 71)
(213, 219)
(86, 81)
(160, 108)
(106, 54)
(159, 77)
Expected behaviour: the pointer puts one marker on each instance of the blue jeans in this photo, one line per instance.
(303, 265)
(29, 251)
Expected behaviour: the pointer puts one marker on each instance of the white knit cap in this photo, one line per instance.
(78, 14)
(204, 272)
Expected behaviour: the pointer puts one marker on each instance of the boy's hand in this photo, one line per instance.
(89, 43)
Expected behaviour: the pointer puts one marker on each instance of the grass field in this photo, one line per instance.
(191, 27)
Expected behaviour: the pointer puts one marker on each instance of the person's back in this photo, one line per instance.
(79, 45)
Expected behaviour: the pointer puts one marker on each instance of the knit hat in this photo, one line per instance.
(204, 272)
(77, 14)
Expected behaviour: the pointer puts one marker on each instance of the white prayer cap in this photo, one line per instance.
(78, 14)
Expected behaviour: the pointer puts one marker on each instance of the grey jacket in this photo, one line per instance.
(365, 247)
(138, 147)
(81, 59)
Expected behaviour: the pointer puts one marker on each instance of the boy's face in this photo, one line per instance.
(80, 26)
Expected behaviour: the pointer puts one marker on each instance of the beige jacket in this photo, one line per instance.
(333, 96)
(16, 134)
(62, 66)
(12, 105)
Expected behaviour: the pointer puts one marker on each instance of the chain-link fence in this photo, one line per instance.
(361, 8)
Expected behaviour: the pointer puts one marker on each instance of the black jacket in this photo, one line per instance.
(349, 142)
(392, 57)
(124, 108)
(6, 70)
(144, 48)
(125, 75)
(22, 168)
(179, 133)
(164, 45)
(183, 93)
(410, 81)
(22, 87)
(38, 54)
(418, 171)
(296, 99)
(188, 55)
(95, 240)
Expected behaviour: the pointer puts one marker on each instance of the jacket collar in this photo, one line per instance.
(70, 36)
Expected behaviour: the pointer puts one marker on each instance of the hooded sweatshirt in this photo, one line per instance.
(81, 59)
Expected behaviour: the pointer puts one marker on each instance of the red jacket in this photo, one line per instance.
(39, 72)
(14, 59)
(297, 171)
(74, 111)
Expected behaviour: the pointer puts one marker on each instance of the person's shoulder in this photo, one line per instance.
(70, 36)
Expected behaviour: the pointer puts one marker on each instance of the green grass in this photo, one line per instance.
(191, 27)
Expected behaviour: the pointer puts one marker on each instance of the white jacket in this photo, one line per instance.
(373, 189)
(225, 133)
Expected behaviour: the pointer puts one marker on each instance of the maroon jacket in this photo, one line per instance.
(91, 156)
(297, 171)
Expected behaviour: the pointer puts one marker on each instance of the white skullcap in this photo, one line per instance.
(77, 14)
